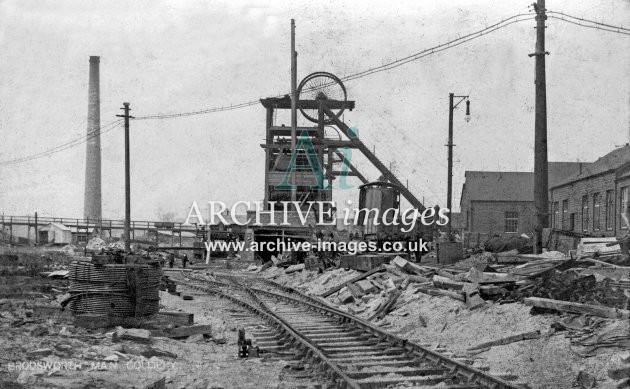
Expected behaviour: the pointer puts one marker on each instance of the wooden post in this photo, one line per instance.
(449, 178)
(566, 306)
(293, 106)
(320, 151)
(541, 186)
(268, 138)
(126, 117)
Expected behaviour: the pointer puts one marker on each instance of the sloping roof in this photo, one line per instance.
(499, 186)
(58, 226)
(512, 186)
(609, 162)
(559, 171)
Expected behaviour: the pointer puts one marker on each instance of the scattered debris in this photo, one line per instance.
(566, 306)
(134, 334)
(586, 380)
(294, 268)
(508, 340)
(182, 332)
(355, 279)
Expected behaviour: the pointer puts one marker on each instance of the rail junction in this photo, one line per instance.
(346, 350)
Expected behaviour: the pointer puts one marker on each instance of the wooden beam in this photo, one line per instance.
(181, 332)
(508, 340)
(375, 161)
(441, 292)
(355, 279)
(286, 131)
(447, 283)
(353, 169)
(285, 103)
(566, 306)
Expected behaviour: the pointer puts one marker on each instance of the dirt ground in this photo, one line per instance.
(48, 353)
(44, 351)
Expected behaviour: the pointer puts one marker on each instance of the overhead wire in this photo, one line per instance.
(385, 67)
(603, 26)
(65, 146)
(596, 27)
(388, 66)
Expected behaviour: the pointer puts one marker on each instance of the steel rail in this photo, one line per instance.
(312, 353)
(454, 367)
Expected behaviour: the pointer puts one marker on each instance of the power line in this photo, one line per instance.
(200, 112)
(596, 26)
(65, 146)
(444, 46)
(588, 21)
(388, 66)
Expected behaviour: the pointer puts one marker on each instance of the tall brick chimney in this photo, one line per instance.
(92, 199)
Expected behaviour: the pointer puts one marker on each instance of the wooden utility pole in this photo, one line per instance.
(449, 179)
(36, 230)
(293, 107)
(541, 194)
(127, 178)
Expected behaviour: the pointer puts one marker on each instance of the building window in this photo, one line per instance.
(556, 217)
(572, 222)
(565, 213)
(623, 205)
(596, 207)
(610, 210)
(584, 213)
(511, 222)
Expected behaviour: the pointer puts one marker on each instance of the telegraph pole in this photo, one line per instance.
(293, 107)
(541, 202)
(449, 190)
(36, 230)
(127, 178)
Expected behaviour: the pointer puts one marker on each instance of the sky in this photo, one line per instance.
(181, 56)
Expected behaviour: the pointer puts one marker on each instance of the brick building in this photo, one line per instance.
(503, 202)
(591, 200)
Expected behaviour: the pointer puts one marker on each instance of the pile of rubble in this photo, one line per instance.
(98, 244)
(548, 312)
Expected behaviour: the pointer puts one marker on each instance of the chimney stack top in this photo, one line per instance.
(95, 58)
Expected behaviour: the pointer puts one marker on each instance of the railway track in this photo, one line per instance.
(348, 351)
